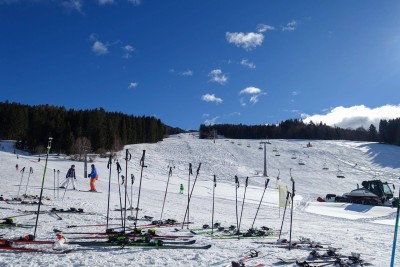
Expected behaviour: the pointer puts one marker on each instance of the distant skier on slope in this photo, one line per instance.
(69, 177)
(181, 189)
(93, 178)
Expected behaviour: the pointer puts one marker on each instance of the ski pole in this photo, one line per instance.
(244, 198)
(140, 186)
(291, 212)
(65, 190)
(22, 176)
(128, 157)
(119, 169)
(237, 186)
(29, 175)
(132, 181)
(284, 212)
(165, 194)
(191, 192)
(395, 232)
(58, 184)
(190, 173)
(266, 185)
(41, 190)
(212, 216)
(54, 183)
(109, 163)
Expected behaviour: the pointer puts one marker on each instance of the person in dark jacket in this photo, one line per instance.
(93, 178)
(70, 177)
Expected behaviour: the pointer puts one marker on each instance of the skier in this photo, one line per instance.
(93, 178)
(16, 167)
(69, 177)
(181, 189)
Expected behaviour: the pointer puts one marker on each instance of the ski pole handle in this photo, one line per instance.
(198, 169)
(266, 183)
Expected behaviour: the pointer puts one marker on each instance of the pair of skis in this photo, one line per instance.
(241, 262)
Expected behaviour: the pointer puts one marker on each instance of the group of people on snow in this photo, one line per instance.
(71, 177)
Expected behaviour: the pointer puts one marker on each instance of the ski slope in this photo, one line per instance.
(354, 228)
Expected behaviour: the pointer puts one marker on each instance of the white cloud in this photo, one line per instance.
(255, 95)
(246, 40)
(105, 2)
(133, 85)
(211, 98)
(217, 76)
(99, 48)
(250, 90)
(135, 2)
(290, 26)
(355, 116)
(247, 63)
(186, 73)
(264, 28)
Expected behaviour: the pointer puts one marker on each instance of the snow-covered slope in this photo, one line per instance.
(364, 229)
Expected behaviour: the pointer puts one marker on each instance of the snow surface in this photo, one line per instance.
(354, 228)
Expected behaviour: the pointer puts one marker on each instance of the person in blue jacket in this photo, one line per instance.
(93, 178)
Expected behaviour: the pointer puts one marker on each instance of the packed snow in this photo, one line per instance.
(352, 227)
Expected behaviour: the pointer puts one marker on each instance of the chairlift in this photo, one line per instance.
(294, 156)
(301, 162)
(248, 145)
(277, 154)
(274, 149)
(339, 173)
(260, 147)
(325, 167)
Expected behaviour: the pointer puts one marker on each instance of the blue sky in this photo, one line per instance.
(206, 61)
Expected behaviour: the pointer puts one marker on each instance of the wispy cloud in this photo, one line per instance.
(254, 92)
(248, 64)
(133, 85)
(211, 121)
(247, 41)
(73, 5)
(264, 28)
(186, 73)
(211, 98)
(99, 48)
(106, 2)
(290, 26)
(135, 2)
(127, 51)
(295, 93)
(218, 76)
(355, 116)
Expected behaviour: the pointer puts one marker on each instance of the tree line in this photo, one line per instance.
(73, 130)
(389, 131)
